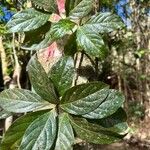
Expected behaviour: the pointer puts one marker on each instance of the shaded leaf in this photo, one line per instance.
(40, 81)
(48, 39)
(20, 101)
(116, 122)
(62, 74)
(70, 4)
(14, 134)
(81, 10)
(70, 47)
(38, 34)
(94, 133)
(91, 42)
(27, 20)
(41, 133)
(110, 105)
(65, 138)
(104, 23)
(84, 98)
(61, 28)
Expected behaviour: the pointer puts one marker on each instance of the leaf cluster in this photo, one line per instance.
(56, 112)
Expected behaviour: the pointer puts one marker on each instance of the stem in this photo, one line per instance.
(79, 66)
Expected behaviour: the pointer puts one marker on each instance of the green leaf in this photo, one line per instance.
(109, 106)
(14, 134)
(84, 98)
(91, 42)
(81, 10)
(62, 74)
(47, 5)
(65, 138)
(27, 20)
(104, 23)
(94, 133)
(4, 114)
(70, 47)
(61, 28)
(38, 34)
(41, 133)
(48, 39)
(70, 4)
(40, 81)
(20, 101)
(116, 122)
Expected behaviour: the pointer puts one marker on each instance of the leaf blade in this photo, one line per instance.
(27, 20)
(20, 101)
(84, 98)
(104, 23)
(40, 81)
(17, 129)
(47, 5)
(82, 9)
(111, 104)
(61, 28)
(42, 137)
(62, 74)
(91, 42)
(65, 138)
(94, 133)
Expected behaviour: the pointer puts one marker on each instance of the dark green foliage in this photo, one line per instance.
(91, 100)
(56, 110)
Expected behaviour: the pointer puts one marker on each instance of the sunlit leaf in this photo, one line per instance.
(27, 20)
(13, 136)
(94, 133)
(91, 42)
(47, 5)
(65, 137)
(40, 81)
(84, 98)
(104, 23)
(110, 105)
(20, 100)
(81, 10)
(41, 133)
(62, 74)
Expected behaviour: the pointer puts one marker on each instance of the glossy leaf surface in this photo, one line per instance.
(91, 42)
(110, 105)
(40, 81)
(20, 101)
(104, 23)
(27, 20)
(94, 133)
(41, 133)
(47, 5)
(61, 28)
(84, 98)
(14, 134)
(82, 9)
(62, 74)
(65, 137)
